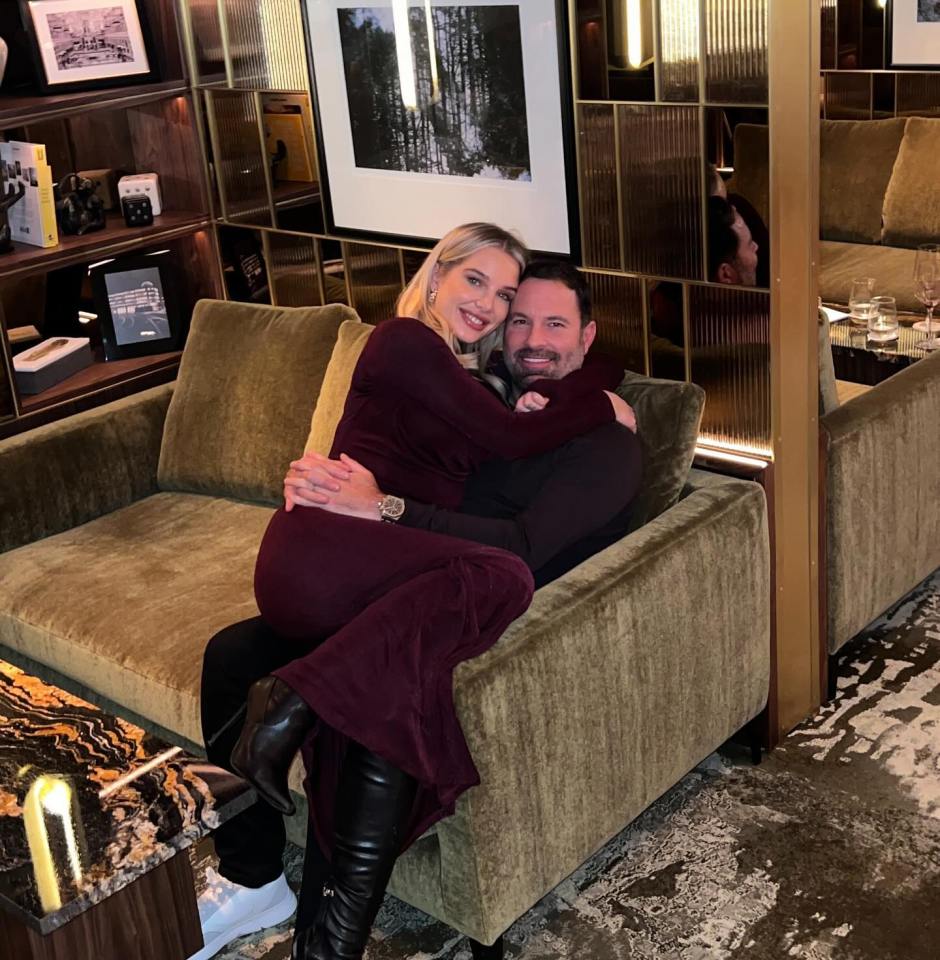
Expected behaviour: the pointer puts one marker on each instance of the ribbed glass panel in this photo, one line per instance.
(266, 44)
(918, 94)
(375, 278)
(412, 260)
(848, 96)
(240, 158)
(618, 312)
(736, 51)
(292, 267)
(667, 331)
(207, 40)
(678, 49)
(828, 37)
(883, 95)
(660, 174)
(729, 332)
(599, 186)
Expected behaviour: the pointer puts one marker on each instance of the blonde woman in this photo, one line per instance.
(396, 608)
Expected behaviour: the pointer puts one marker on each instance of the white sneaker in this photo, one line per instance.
(228, 910)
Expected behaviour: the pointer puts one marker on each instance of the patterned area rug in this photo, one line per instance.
(829, 850)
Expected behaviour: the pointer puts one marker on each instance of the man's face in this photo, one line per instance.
(543, 336)
(743, 269)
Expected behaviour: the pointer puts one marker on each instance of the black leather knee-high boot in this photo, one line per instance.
(276, 724)
(373, 806)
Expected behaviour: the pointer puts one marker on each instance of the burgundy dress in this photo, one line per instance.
(399, 607)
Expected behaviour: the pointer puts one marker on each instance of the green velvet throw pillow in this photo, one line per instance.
(248, 383)
(669, 414)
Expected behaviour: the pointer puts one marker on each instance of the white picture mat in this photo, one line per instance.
(425, 205)
(913, 43)
(40, 9)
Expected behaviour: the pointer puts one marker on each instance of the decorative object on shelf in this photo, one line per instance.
(79, 210)
(137, 210)
(88, 44)
(288, 133)
(105, 181)
(913, 33)
(435, 114)
(135, 305)
(50, 363)
(147, 184)
(3, 58)
(32, 220)
(7, 199)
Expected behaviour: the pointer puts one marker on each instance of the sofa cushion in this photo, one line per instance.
(912, 200)
(350, 340)
(669, 415)
(125, 604)
(248, 381)
(892, 268)
(856, 160)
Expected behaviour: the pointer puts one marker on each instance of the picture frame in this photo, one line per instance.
(912, 34)
(134, 297)
(88, 44)
(433, 113)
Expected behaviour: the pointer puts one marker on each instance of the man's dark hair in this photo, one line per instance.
(722, 240)
(563, 272)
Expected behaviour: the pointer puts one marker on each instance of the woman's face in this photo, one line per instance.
(473, 296)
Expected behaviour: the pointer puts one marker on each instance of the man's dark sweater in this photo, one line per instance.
(554, 510)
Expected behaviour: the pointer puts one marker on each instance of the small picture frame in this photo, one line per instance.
(137, 311)
(88, 44)
(913, 34)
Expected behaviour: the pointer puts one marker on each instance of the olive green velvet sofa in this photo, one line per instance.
(879, 198)
(881, 483)
(128, 536)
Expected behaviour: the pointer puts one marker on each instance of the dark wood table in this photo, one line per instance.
(93, 814)
(860, 360)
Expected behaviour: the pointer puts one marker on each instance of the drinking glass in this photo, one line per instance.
(860, 305)
(883, 326)
(927, 290)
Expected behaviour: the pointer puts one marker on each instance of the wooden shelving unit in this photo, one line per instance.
(151, 127)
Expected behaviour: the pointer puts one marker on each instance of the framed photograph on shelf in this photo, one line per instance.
(137, 312)
(431, 113)
(88, 44)
(913, 33)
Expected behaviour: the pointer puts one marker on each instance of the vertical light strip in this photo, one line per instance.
(634, 20)
(406, 68)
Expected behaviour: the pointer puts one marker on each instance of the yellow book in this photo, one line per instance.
(32, 219)
(287, 118)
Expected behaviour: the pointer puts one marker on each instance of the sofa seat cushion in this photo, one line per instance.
(892, 268)
(125, 604)
(856, 162)
(247, 385)
(912, 201)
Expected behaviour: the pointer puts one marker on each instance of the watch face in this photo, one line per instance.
(392, 508)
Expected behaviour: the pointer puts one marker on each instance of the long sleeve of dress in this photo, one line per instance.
(405, 356)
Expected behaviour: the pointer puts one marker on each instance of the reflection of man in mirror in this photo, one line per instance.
(752, 219)
(732, 252)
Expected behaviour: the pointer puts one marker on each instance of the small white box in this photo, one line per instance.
(50, 362)
(147, 184)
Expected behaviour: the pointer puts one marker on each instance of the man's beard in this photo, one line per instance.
(522, 376)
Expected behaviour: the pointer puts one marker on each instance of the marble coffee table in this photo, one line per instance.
(93, 812)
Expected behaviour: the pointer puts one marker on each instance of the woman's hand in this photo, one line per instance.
(530, 402)
(622, 411)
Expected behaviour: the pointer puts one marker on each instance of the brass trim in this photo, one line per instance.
(216, 150)
(347, 273)
(618, 166)
(321, 279)
(686, 333)
(266, 253)
(226, 45)
(647, 356)
(265, 163)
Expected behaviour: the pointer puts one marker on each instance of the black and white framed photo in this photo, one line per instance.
(913, 33)
(432, 113)
(137, 311)
(88, 44)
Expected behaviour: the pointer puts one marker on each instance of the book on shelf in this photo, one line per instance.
(32, 219)
(287, 118)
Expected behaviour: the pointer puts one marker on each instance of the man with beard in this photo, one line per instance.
(553, 511)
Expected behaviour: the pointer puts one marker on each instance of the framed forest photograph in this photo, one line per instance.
(432, 113)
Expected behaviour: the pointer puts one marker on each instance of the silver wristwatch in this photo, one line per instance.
(391, 508)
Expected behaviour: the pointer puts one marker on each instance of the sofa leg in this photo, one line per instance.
(481, 952)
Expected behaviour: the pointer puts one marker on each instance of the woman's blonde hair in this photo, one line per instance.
(453, 248)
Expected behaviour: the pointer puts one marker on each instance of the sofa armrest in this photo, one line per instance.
(882, 497)
(621, 677)
(64, 474)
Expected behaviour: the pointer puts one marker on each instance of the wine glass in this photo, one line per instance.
(883, 326)
(927, 290)
(860, 305)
